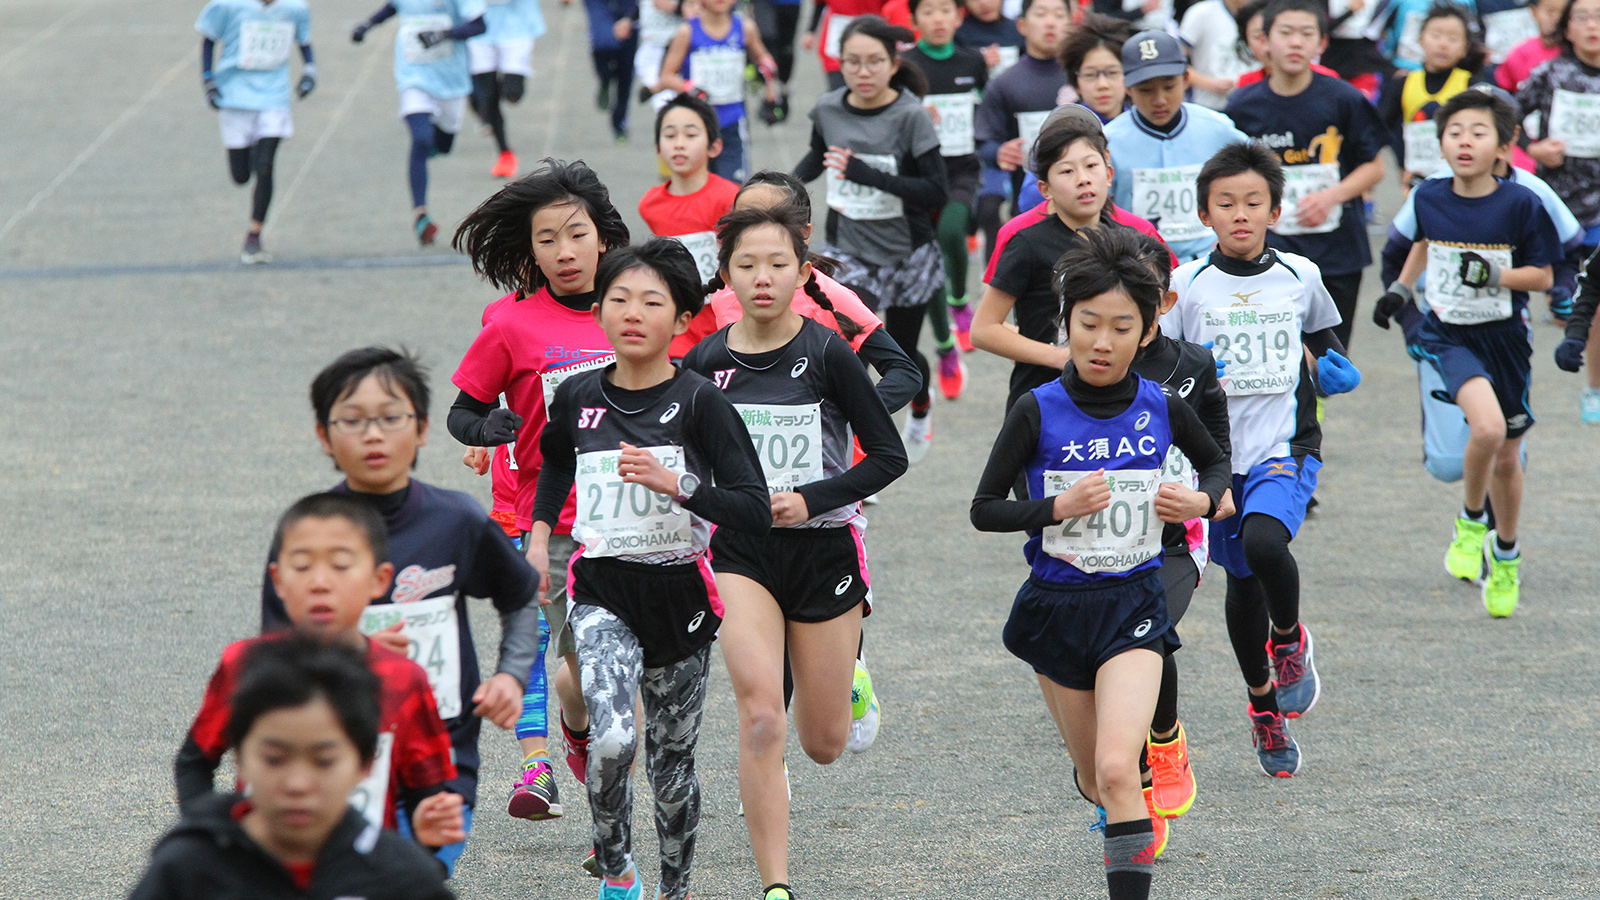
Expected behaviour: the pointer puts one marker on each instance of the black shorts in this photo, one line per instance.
(1066, 632)
(1500, 351)
(963, 174)
(815, 574)
(673, 610)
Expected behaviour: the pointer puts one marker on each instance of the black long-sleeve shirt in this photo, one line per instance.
(899, 379)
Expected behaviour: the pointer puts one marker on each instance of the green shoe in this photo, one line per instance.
(1464, 559)
(1503, 586)
(863, 712)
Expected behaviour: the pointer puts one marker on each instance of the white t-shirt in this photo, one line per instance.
(1209, 29)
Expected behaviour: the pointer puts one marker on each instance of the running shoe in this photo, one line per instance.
(505, 166)
(602, 98)
(252, 253)
(1464, 559)
(952, 373)
(535, 797)
(1172, 780)
(577, 753)
(1589, 406)
(961, 324)
(1158, 840)
(1099, 823)
(425, 229)
(634, 891)
(769, 112)
(1503, 586)
(863, 712)
(1295, 674)
(777, 892)
(591, 864)
(917, 436)
(1277, 752)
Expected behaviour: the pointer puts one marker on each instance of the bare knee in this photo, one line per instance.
(1117, 777)
(824, 745)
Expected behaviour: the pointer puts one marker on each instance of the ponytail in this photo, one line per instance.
(850, 328)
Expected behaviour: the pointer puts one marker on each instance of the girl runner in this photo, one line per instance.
(501, 63)
(804, 586)
(1450, 56)
(709, 53)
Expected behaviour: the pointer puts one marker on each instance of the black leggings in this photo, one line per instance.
(616, 66)
(1272, 594)
(486, 97)
(778, 25)
(1179, 577)
(257, 160)
(904, 324)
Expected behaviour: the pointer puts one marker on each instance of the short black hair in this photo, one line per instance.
(1054, 141)
(784, 181)
(1505, 118)
(1278, 7)
(498, 235)
(1238, 158)
(1106, 259)
(1093, 30)
(1477, 54)
(399, 372)
(1155, 254)
(347, 505)
(283, 672)
(1028, 4)
(913, 4)
(701, 108)
(669, 259)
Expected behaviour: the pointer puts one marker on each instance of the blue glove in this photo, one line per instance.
(1222, 364)
(308, 81)
(213, 93)
(1569, 355)
(1337, 374)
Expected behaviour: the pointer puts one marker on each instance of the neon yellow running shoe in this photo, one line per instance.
(1503, 586)
(863, 712)
(1464, 559)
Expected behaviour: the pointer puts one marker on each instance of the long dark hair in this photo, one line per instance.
(498, 235)
(792, 219)
(1093, 30)
(908, 76)
(798, 196)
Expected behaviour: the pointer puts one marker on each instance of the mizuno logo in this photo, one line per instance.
(1243, 297)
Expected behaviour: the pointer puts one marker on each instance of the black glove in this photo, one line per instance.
(431, 39)
(359, 33)
(1569, 355)
(1477, 272)
(500, 427)
(1394, 300)
(308, 82)
(213, 93)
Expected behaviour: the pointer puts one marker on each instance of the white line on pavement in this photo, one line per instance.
(282, 203)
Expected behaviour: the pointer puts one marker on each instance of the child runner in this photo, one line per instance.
(249, 89)
(991, 33)
(1091, 56)
(413, 762)
(659, 20)
(612, 43)
(687, 207)
(1569, 353)
(1536, 50)
(1216, 54)
(805, 585)
(1328, 138)
(1262, 310)
(709, 53)
(1092, 618)
(306, 727)
(1484, 244)
(1016, 102)
(541, 238)
(1450, 56)
(778, 21)
(1401, 27)
(886, 183)
(657, 455)
(956, 78)
(371, 408)
(501, 62)
(1158, 149)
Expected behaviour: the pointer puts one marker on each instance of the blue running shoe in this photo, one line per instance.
(609, 891)
(1277, 752)
(1295, 675)
(1099, 823)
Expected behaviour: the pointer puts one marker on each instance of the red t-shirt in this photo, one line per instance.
(691, 218)
(1037, 214)
(526, 348)
(412, 742)
(1522, 60)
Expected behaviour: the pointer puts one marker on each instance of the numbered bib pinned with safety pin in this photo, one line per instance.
(1118, 538)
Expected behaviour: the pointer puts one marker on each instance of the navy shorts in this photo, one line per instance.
(1500, 351)
(815, 574)
(1280, 488)
(1066, 632)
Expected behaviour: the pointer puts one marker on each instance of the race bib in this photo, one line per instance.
(1008, 58)
(552, 378)
(1575, 121)
(863, 203)
(1298, 181)
(1115, 539)
(435, 635)
(411, 48)
(720, 73)
(1260, 342)
(1409, 47)
(955, 122)
(1424, 156)
(836, 26)
(703, 245)
(788, 439)
(1456, 303)
(264, 46)
(1028, 125)
(1504, 30)
(616, 518)
(1178, 470)
(1166, 197)
(371, 796)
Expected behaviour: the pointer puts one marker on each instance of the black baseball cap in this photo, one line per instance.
(1152, 54)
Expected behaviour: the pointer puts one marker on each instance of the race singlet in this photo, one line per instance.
(1505, 29)
(552, 379)
(1456, 303)
(788, 439)
(1298, 181)
(412, 49)
(371, 796)
(955, 125)
(861, 202)
(719, 71)
(703, 246)
(1166, 197)
(836, 26)
(1260, 342)
(435, 635)
(264, 46)
(1575, 121)
(616, 518)
(1115, 539)
(1424, 156)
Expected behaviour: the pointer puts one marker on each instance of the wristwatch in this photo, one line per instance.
(688, 483)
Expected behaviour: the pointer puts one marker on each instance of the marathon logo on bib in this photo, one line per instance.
(788, 441)
(264, 46)
(414, 582)
(1126, 534)
(1259, 339)
(620, 518)
(1452, 300)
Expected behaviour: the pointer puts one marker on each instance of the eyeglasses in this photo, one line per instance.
(353, 425)
(1100, 74)
(864, 65)
(1584, 18)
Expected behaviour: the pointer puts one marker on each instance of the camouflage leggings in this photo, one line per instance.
(613, 675)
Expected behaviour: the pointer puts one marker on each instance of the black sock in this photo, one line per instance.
(1292, 637)
(1475, 515)
(1504, 547)
(1267, 702)
(1130, 859)
(575, 733)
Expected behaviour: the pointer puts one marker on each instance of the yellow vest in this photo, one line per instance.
(1417, 105)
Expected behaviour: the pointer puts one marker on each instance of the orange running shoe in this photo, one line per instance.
(1172, 781)
(505, 166)
(1158, 841)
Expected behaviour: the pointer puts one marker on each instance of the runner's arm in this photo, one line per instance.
(1583, 307)
(885, 460)
(559, 466)
(738, 499)
(899, 379)
(469, 418)
(992, 506)
(924, 185)
(468, 29)
(194, 772)
(1319, 343)
(1210, 462)
(810, 166)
